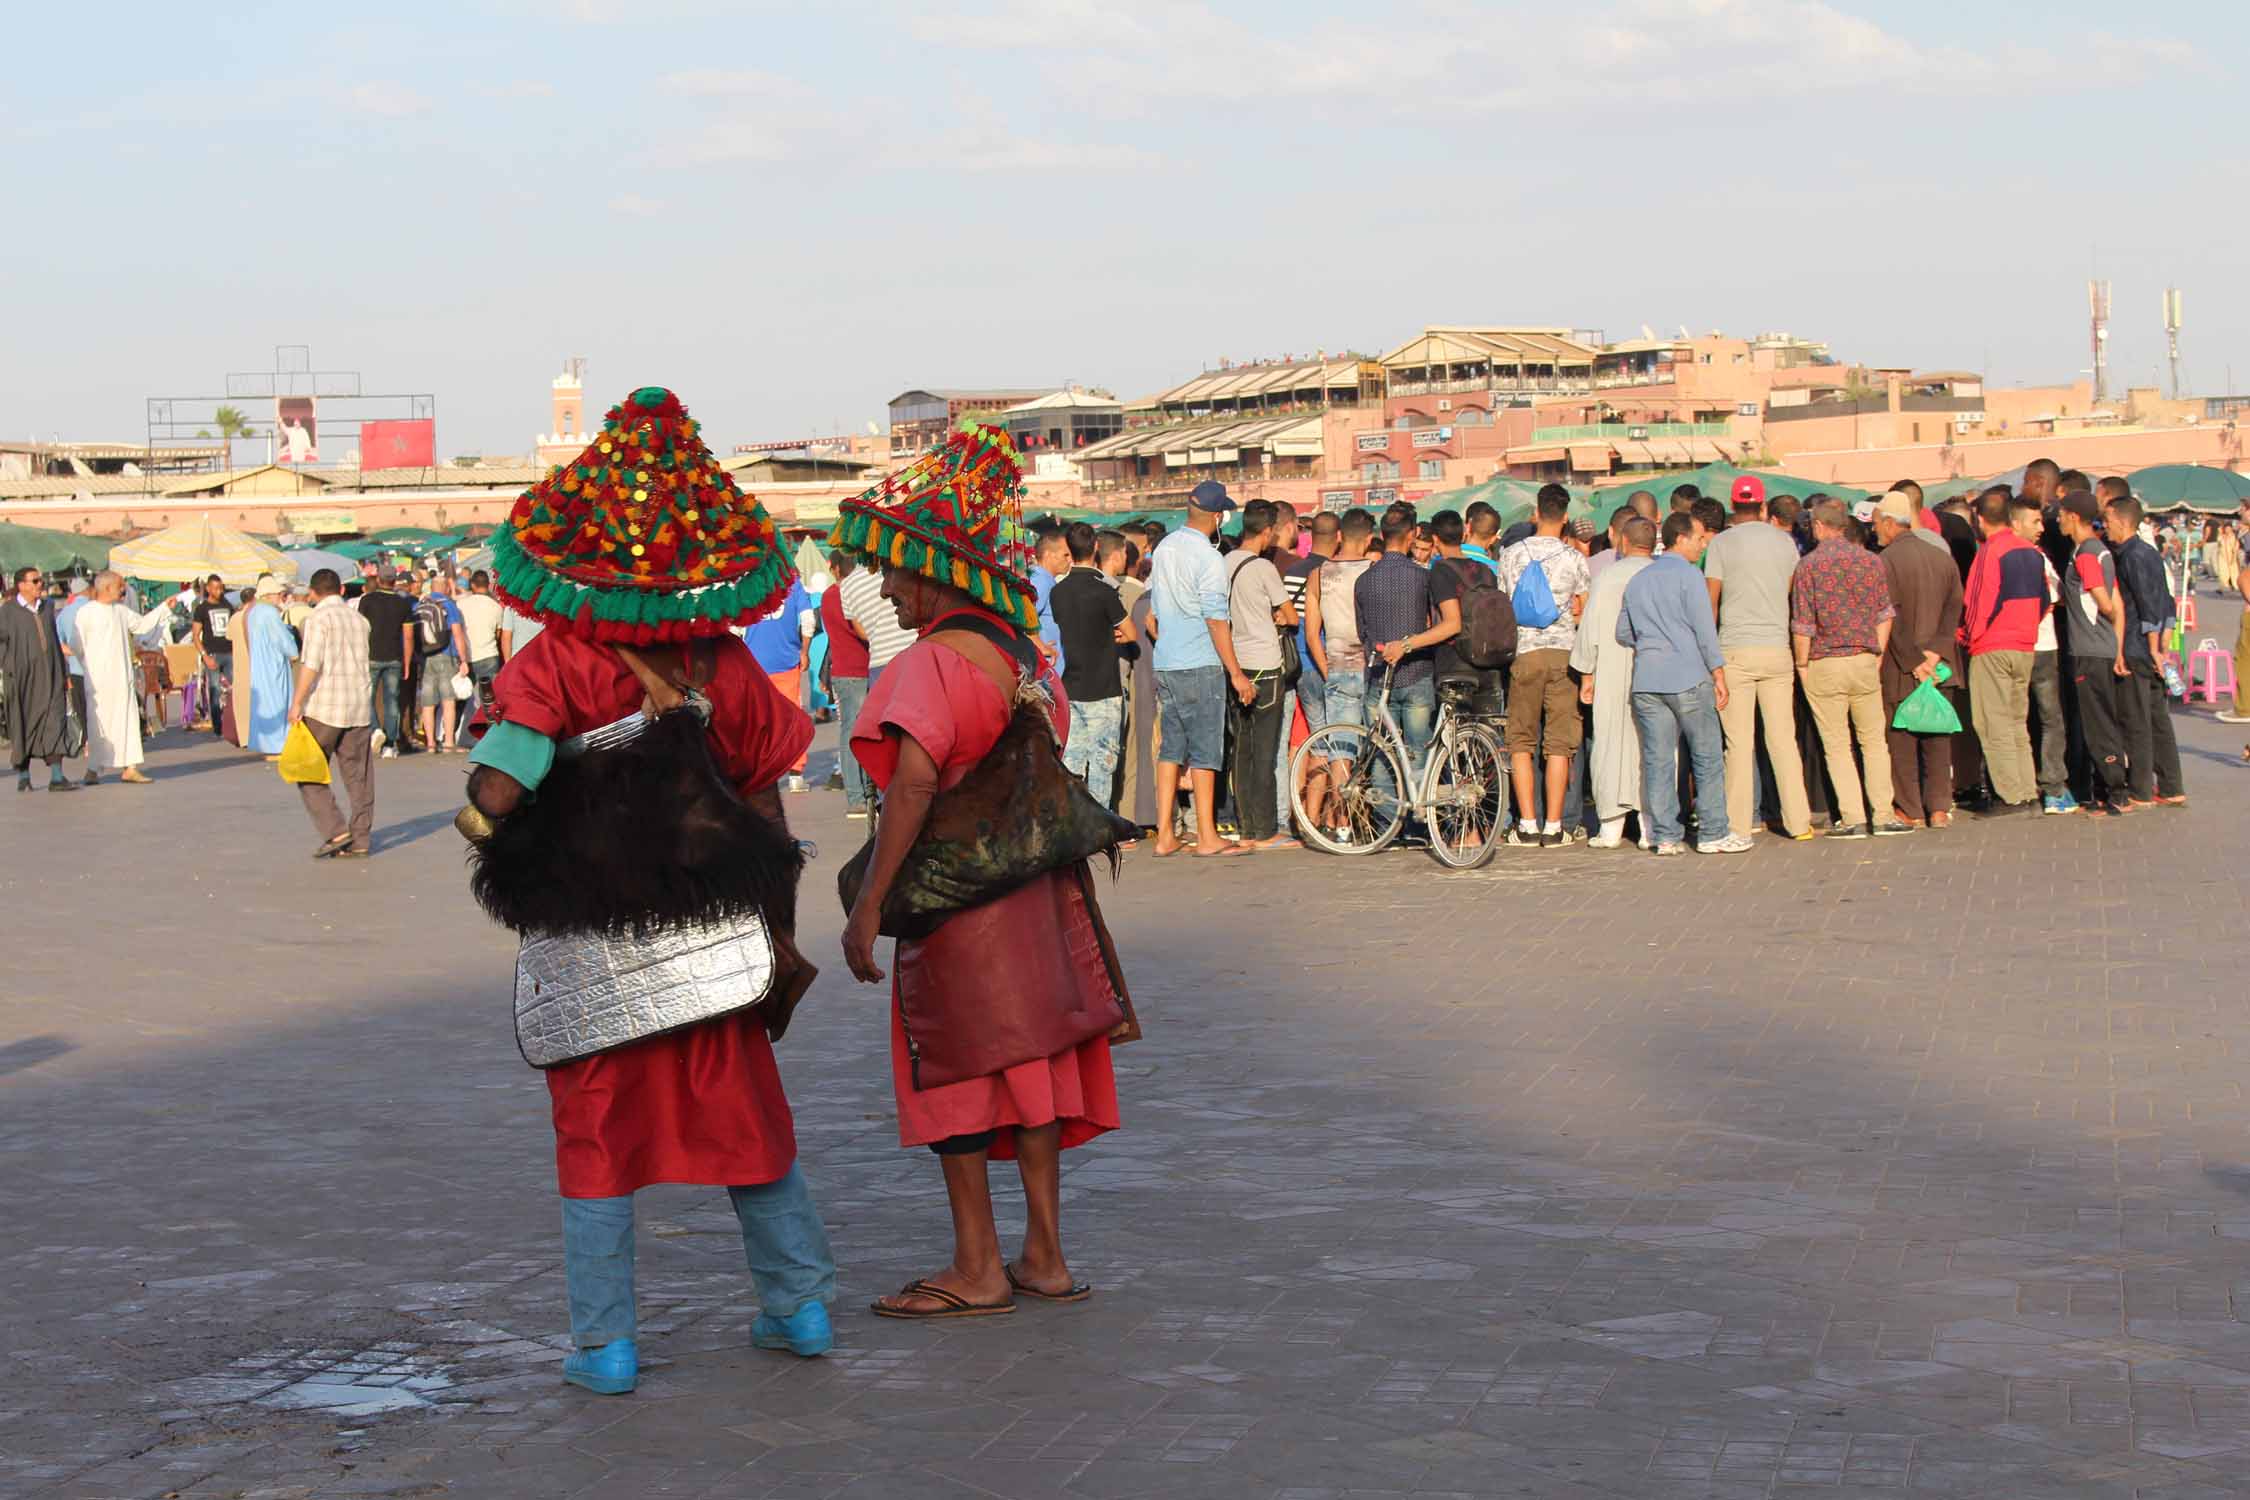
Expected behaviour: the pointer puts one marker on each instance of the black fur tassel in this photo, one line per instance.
(634, 839)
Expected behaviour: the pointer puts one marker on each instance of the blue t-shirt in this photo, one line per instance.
(778, 640)
(1187, 585)
(1043, 595)
(66, 631)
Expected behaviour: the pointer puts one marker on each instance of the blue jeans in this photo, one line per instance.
(1664, 720)
(782, 1237)
(1097, 735)
(1414, 706)
(851, 692)
(383, 678)
(1281, 752)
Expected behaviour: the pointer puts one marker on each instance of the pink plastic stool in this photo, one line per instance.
(2208, 668)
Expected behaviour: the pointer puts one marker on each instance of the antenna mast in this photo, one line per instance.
(2172, 335)
(2097, 298)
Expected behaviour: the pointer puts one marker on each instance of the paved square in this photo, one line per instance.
(1897, 1167)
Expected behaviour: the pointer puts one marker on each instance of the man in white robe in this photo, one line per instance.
(1607, 672)
(105, 630)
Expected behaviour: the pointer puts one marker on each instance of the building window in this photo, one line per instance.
(1429, 468)
(1403, 422)
(1471, 416)
(1375, 470)
(1917, 432)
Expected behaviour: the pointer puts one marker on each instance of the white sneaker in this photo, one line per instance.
(2228, 716)
(793, 784)
(377, 738)
(1733, 843)
(390, 752)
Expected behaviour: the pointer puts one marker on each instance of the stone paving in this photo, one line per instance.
(1912, 1166)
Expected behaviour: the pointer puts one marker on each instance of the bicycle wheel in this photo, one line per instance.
(1469, 804)
(1363, 809)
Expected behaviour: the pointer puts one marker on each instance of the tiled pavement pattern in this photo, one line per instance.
(1908, 1167)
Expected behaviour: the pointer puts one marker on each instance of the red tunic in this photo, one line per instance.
(953, 710)
(703, 1105)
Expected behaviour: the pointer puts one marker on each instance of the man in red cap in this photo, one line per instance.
(1748, 568)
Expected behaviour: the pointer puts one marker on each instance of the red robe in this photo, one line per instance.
(956, 714)
(703, 1105)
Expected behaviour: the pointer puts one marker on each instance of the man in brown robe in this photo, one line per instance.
(1926, 591)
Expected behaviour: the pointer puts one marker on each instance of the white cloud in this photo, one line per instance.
(1472, 55)
(385, 97)
(634, 206)
(710, 83)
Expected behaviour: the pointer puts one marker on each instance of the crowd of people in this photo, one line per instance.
(1687, 676)
(1195, 658)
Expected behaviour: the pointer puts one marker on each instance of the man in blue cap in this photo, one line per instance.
(1195, 667)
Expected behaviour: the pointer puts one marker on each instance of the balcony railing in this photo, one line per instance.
(1611, 379)
(1620, 432)
(1556, 385)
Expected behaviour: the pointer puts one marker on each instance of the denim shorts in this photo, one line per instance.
(1192, 717)
(1343, 699)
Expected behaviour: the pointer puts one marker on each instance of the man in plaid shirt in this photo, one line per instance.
(332, 701)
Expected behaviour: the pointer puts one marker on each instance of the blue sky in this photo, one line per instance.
(789, 213)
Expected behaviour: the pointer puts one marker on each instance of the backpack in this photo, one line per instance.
(1488, 620)
(430, 626)
(1533, 600)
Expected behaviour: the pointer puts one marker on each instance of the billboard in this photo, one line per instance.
(296, 430)
(399, 444)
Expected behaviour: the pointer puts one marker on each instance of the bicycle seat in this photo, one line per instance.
(1456, 692)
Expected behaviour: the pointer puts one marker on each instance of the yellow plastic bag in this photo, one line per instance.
(301, 760)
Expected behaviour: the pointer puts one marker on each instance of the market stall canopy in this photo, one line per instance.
(2196, 486)
(196, 549)
(310, 560)
(50, 551)
(416, 541)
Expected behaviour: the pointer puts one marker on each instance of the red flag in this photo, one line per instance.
(401, 444)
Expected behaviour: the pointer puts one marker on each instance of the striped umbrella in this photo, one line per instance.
(196, 549)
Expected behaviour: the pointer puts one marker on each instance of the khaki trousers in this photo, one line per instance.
(2242, 663)
(1762, 684)
(2000, 702)
(1845, 694)
(351, 752)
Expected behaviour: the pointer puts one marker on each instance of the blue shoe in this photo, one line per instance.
(611, 1370)
(2065, 803)
(2049, 806)
(804, 1332)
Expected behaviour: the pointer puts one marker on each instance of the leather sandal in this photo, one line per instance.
(1079, 1290)
(950, 1304)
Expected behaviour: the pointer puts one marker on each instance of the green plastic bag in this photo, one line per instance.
(1925, 711)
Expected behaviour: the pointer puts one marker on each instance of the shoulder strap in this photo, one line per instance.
(665, 694)
(963, 628)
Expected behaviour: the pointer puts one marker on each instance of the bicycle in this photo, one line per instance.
(1461, 796)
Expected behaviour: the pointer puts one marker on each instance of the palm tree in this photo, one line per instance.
(232, 424)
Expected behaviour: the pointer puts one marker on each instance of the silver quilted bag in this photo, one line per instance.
(577, 995)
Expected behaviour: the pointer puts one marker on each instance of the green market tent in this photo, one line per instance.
(49, 550)
(2196, 487)
(1717, 480)
(356, 551)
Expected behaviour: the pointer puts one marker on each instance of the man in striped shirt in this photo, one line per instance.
(332, 701)
(871, 615)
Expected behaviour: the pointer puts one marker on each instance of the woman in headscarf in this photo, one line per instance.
(273, 647)
(1026, 968)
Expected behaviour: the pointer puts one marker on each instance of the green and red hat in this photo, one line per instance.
(955, 515)
(641, 538)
